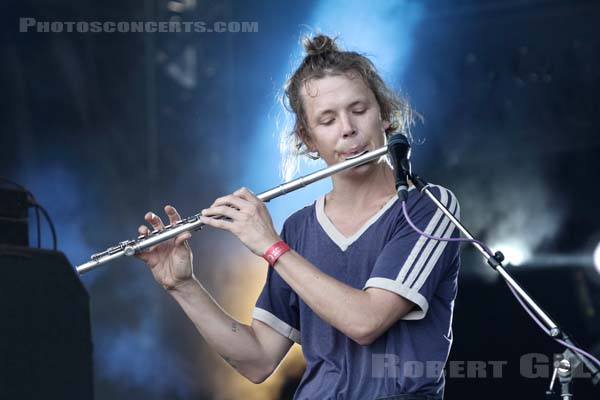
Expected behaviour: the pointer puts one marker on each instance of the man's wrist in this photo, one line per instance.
(182, 287)
(276, 250)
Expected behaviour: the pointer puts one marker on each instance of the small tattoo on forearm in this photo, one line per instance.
(234, 327)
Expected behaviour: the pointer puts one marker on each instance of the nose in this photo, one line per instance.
(347, 127)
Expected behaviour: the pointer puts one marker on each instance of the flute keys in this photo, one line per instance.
(98, 255)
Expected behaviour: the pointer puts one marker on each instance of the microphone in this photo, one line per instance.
(399, 151)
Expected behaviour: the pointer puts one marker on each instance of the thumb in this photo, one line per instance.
(181, 238)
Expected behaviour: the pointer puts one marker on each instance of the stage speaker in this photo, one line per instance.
(45, 346)
(13, 217)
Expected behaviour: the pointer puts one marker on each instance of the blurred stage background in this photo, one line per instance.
(102, 127)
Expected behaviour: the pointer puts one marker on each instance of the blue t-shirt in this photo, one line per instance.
(385, 253)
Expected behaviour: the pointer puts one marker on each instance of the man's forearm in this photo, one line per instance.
(342, 306)
(234, 341)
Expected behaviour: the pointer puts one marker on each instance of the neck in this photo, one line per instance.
(357, 190)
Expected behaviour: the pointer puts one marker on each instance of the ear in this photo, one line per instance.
(386, 125)
(305, 137)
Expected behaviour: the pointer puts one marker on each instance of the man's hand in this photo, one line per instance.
(247, 218)
(171, 260)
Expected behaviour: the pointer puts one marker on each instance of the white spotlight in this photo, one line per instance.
(514, 253)
(597, 258)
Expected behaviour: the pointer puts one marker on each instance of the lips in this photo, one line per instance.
(354, 151)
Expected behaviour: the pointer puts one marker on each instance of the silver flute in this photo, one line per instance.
(143, 242)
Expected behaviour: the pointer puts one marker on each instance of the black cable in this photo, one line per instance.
(37, 224)
(5, 179)
(49, 223)
(33, 203)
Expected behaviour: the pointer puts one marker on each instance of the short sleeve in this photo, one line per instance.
(277, 304)
(412, 265)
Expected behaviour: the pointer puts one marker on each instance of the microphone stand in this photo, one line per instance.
(495, 261)
(565, 377)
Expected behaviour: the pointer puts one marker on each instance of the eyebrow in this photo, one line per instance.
(329, 111)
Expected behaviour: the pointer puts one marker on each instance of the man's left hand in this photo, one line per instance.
(247, 218)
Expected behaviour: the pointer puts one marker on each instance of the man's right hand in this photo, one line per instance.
(171, 260)
(254, 351)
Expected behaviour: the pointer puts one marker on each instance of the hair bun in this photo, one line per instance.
(319, 44)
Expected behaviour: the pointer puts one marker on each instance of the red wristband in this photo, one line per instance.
(275, 251)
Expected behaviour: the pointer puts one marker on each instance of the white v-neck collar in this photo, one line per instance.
(334, 234)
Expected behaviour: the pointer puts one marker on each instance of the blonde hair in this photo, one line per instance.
(324, 58)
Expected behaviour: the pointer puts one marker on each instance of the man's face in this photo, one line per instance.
(343, 117)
